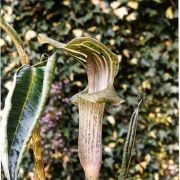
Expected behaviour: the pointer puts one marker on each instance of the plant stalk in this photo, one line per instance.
(38, 155)
(90, 137)
(16, 40)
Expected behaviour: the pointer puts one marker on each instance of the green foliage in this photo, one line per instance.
(145, 39)
(23, 107)
(129, 144)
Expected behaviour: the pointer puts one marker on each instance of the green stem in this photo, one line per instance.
(38, 154)
(16, 40)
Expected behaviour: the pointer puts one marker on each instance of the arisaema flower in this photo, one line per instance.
(102, 66)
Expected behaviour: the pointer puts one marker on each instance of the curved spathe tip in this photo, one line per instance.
(102, 66)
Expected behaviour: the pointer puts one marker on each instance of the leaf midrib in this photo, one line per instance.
(25, 102)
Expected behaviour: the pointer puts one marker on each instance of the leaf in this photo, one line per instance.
(128, 147)
(169, 13)
(109, 162)
(115, 4)
(131, 17)
(2, 43)
(121, 12)
(23, 107)
(133, 4)
(77, 32)
(30, 34)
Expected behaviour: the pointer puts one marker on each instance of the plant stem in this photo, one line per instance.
(38, 155)
(129, 144)
(16, 40)
(90, 137)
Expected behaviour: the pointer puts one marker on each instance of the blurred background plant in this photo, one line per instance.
(144, 35)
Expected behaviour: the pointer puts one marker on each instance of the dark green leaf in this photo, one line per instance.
(23, 107)
(128, 147)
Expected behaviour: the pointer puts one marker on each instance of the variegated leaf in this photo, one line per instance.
(23, 107)
(129, 144)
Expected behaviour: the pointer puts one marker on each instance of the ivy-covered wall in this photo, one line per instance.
(144, 35)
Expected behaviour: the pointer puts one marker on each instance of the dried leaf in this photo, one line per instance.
(115, 4)
(126, 53)
(169, 12)
(133, 4)
(2, 43)
(131, 17)
(30, 34)
(77, 32)
(121, 12)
